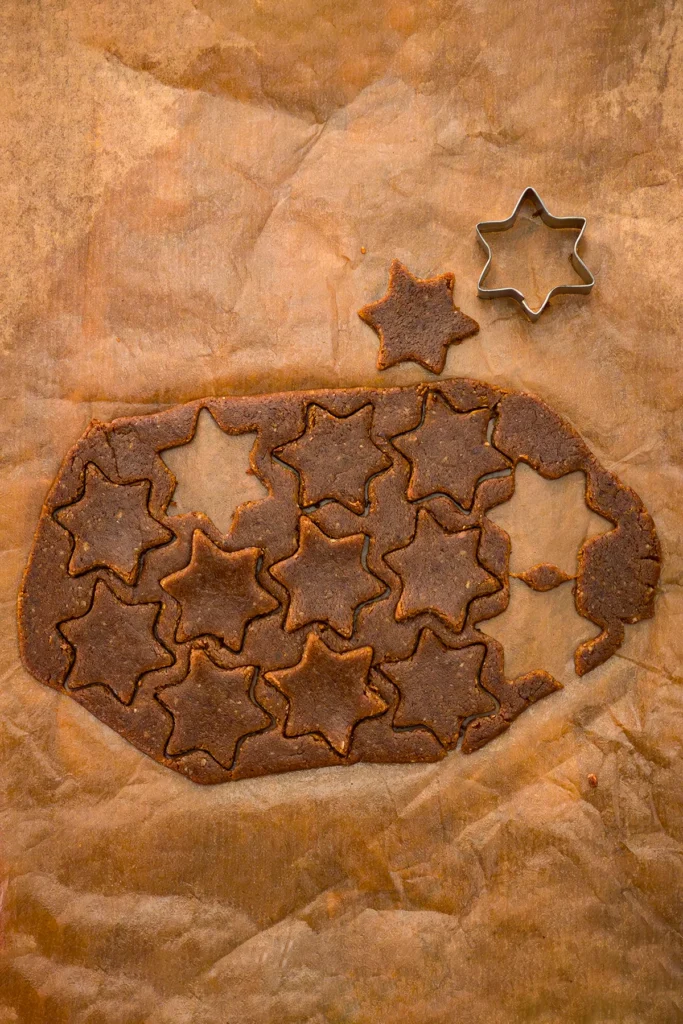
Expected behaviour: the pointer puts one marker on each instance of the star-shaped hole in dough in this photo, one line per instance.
(439, 686)
(111, 526)
(212, 710)
(213, 473)
(325, 579)
(449, 452)
(328, 693)
(440, 573)
(115, 644)
(335, 457)
(540, 631)
(416, 320)
(218, 592)
(562, 522)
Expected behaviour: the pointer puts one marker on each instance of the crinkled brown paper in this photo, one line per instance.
(187, 188)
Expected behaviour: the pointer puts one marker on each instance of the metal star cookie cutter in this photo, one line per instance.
(577, 223)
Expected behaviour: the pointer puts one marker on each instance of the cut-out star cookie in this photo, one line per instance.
(111, 526)
(218, 592)
(448, 452)
(439, 572)
(416, 320)
(328, 693)
(325, 579)
(115, 644)
(335, 457)
(439, 686)
(212, 709)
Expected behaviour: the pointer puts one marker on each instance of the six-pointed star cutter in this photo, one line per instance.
(576, 223)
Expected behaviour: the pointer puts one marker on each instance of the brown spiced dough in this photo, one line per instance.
(439, 572)
(416, 320)
(114, 643)
(342, 617)
(328, 692)
(218, 592)
(325, 579)
(439, 686)
(111, 526)
(334, 457)
(448, 452)
(542, 577)
(212, 710)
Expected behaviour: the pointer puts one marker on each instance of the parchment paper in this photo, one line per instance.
(187, 188)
